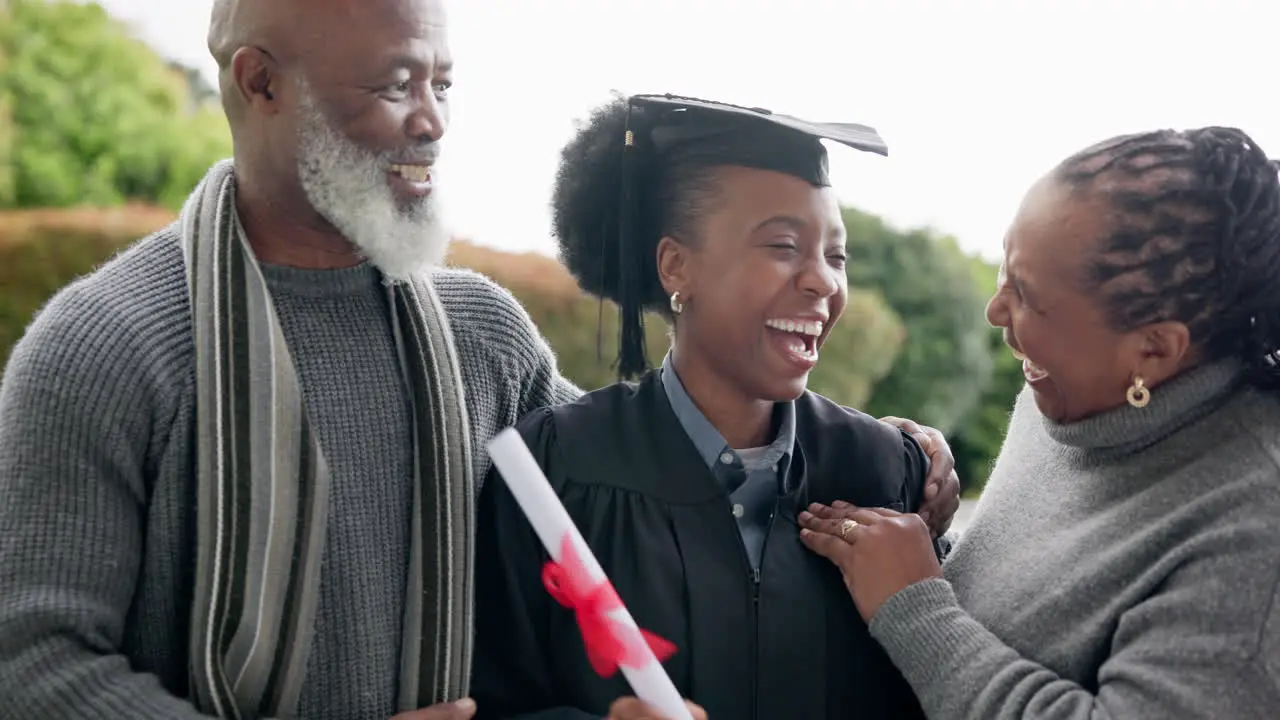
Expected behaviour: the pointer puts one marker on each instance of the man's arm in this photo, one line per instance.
(942, 485)
(541, 384)
(546, 387)
(918, 471)
(74, 428)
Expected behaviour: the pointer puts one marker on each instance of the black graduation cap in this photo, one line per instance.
(668, 128)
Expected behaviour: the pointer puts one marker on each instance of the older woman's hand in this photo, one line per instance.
(879, 552)
(630, 708)
(942, 486)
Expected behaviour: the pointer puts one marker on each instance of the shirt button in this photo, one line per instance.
(727, 458)
(738, 510)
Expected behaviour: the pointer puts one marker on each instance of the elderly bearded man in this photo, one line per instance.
(237, 463)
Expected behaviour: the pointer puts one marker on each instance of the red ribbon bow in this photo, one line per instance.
(610, 643)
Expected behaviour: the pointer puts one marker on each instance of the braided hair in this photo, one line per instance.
(1194, 237)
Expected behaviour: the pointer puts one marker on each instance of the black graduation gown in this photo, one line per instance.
(784, 643)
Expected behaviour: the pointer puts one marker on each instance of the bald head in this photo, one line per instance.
(227, 27)
(315, 36)
(335, 101)
(242, 24)
(283, 26)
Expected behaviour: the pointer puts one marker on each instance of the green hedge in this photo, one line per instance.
(37, 257)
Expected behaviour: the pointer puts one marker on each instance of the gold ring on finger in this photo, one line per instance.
(846, 527)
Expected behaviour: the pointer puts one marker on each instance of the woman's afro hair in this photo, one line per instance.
(587, 197)
(668, 196)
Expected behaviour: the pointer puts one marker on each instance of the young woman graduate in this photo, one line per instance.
(687, 484)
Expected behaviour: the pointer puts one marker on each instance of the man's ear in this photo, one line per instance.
(256, 78)
(673, 267)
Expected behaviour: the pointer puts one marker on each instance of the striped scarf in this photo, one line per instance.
(264, 486)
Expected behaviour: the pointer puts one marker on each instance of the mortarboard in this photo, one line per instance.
(664, 129)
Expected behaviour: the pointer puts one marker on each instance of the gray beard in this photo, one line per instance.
(347, 185)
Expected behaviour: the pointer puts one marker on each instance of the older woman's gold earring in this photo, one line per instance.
(677, 307)
(1138, 395)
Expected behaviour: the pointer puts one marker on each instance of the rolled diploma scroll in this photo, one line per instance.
(552, 523)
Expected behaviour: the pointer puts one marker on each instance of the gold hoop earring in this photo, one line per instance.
(677, 307)
(1138, 395)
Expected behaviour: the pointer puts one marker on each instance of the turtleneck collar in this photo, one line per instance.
(1173, 405)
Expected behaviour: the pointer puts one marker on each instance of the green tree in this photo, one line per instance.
(6, 117)
(98, 118)
(859, 351)
(199, 89)
(856, 356)
(977, 441)
(945, 362)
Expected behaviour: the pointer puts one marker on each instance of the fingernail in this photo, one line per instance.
(840, 504)
(805, 532)
(924, 516)
(815, 506)
(465, 704)
(806, 516)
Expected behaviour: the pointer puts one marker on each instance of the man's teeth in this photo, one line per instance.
(413, 173)
(803, 327)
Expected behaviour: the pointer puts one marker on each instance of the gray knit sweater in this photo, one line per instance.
(97, 480)
(1121, 567)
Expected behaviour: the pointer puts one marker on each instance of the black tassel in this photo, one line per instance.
(632, 358)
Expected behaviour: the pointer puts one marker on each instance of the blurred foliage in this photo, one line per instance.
(91, 117)
(41, 251)
(584, 332)
(945, 361)
(7, 189)
(95, 116)
(977, 441)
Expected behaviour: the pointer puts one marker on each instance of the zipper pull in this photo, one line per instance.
(755, 576)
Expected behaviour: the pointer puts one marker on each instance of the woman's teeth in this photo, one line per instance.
(800, 336)
(800, 347)
(812, 328)
(1033, 372)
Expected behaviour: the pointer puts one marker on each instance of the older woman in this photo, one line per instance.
(1124, 559)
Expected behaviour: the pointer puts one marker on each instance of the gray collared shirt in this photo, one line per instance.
(753, 477)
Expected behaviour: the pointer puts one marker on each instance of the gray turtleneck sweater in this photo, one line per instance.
(1125, 566)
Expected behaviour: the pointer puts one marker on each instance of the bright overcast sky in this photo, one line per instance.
(976, 98)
